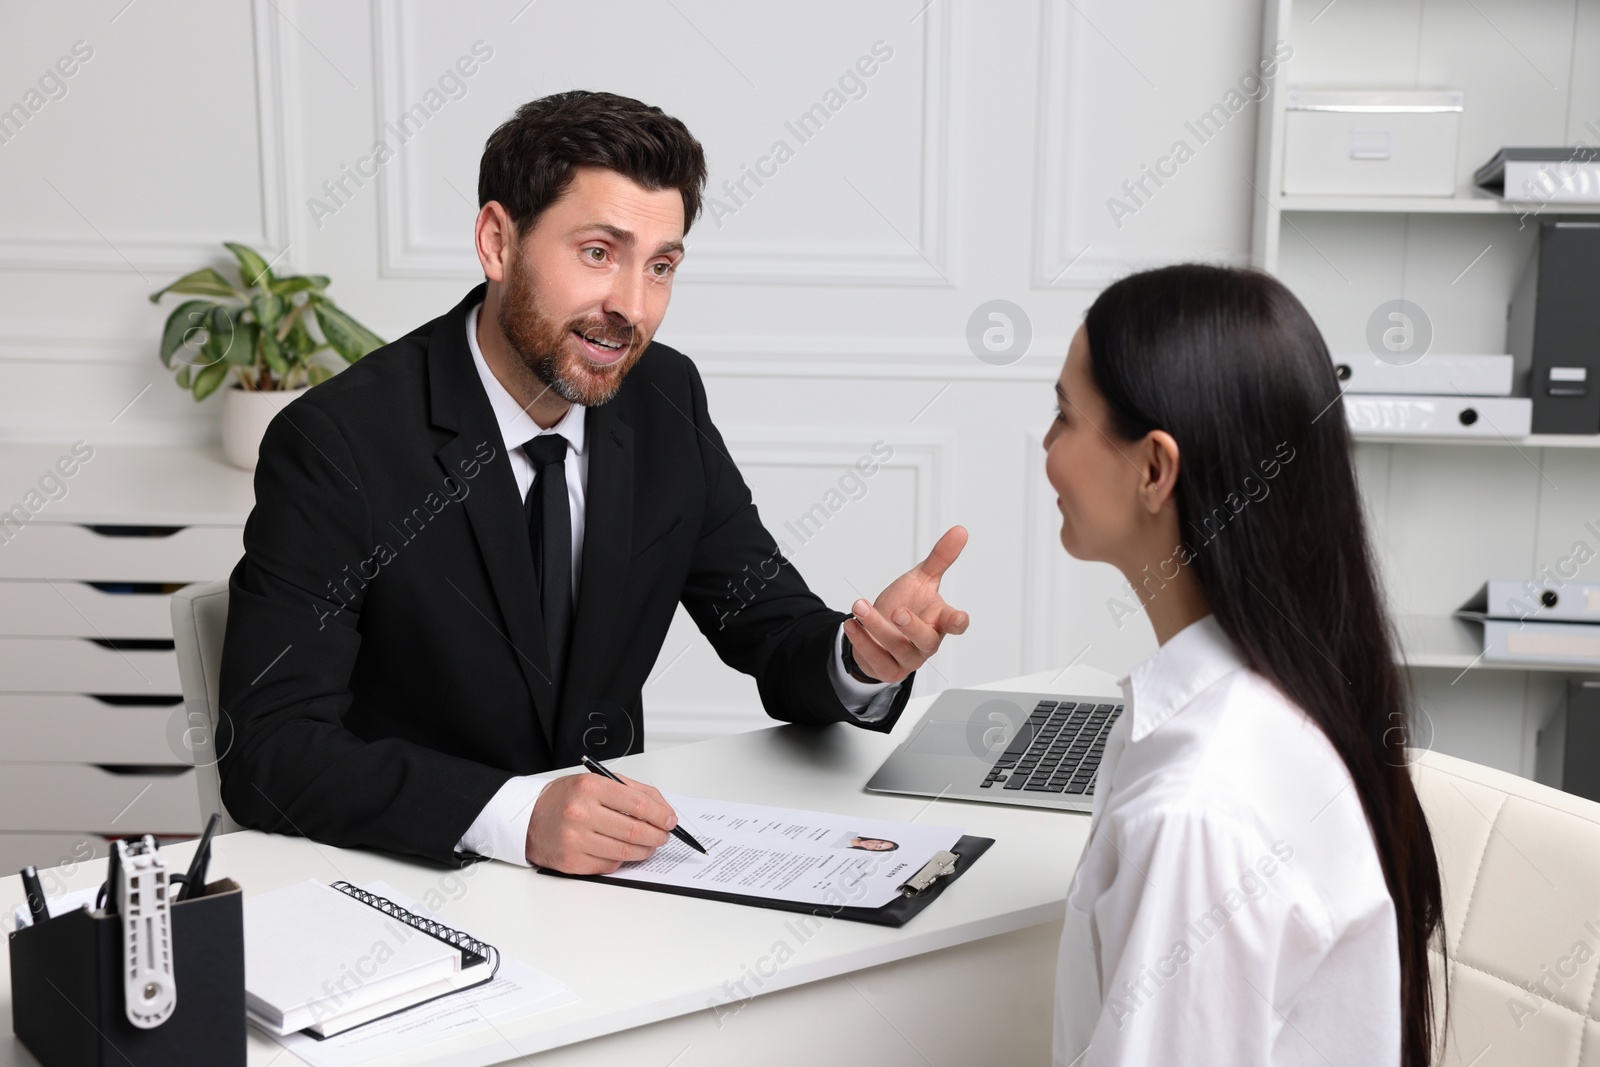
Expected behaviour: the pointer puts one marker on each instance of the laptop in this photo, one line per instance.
(1037, 750)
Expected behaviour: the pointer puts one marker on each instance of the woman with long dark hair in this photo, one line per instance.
(1260, 885)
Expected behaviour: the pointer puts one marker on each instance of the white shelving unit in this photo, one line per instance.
(1446, 518)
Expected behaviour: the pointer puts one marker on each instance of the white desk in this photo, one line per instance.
(969, 980)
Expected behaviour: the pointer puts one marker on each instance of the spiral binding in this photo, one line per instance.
(448, 935)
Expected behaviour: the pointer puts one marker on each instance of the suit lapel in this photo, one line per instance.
(607, 540)
(493, 509)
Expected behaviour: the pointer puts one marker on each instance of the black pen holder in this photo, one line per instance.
(67, 992)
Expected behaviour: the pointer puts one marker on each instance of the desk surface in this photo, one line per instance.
(680, 951)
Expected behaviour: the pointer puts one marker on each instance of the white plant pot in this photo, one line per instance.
(245, 415)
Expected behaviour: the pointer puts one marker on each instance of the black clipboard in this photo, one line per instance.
(897, 912)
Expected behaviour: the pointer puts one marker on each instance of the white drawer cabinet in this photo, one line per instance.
(81, 665)
(49, 608)
(91, 716)
(79, 796)
(127, 553)
(41, 847)
(74, 728)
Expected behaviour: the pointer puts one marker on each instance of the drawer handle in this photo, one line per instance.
(136, 588)
(128, 700)
(143, 770)
(132, 531)
(133, 644)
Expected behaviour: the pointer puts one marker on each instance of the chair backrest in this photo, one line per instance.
(199, 620)
(1520, 864)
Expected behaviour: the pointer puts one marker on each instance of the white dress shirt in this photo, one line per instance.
(501, 829)
(1229, 908)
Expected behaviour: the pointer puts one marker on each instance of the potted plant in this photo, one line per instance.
(258, 333)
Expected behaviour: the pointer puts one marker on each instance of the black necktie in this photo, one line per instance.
(550, 536)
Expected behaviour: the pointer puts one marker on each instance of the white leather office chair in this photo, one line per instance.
(199, 618)
(1521, 869)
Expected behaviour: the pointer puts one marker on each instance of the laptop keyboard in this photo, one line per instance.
(1057, 750)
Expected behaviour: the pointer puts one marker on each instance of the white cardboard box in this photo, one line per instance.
(1371, 142)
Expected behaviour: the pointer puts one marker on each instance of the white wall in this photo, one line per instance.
(828, 311)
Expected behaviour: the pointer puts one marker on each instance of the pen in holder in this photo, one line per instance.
(153, 981)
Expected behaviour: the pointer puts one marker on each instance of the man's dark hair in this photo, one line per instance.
(528, 162)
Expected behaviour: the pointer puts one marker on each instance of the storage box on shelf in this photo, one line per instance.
(1340, 142)
(93, 540)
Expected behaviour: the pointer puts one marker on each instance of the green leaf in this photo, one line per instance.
(242, 352)
(272, 352)
(206, 382)
(295, 283)
(203, 282)
(252, 268)
(269, 309)
(347, 336)
(318, 374)
(185, 319)
(183, 376)
(220, 329)
(298, 342)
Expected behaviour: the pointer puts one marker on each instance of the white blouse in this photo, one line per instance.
(1229, 908)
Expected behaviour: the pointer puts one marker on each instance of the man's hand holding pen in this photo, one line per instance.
(589, 824)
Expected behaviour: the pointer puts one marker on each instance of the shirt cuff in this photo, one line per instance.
(500, 831)
(868, 702)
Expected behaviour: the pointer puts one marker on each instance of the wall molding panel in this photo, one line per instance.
(128, 254)
(886, 358)
(1064, 258)
(693, 699)
(892, 262)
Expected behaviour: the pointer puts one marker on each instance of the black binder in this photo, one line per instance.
(915, 894)
(1552, 324)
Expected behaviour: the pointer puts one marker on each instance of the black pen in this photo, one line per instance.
(35, 894)
(195, 879)
(677, 831)
(113, 877)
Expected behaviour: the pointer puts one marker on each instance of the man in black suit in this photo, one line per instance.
(467, 548)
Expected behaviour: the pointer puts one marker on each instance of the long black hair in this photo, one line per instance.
(1230, 364)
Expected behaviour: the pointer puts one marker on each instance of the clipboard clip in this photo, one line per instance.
(942, 864)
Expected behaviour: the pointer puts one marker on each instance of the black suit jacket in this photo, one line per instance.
(385, 667)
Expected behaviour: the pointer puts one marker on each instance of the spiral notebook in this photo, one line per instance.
(322, 959)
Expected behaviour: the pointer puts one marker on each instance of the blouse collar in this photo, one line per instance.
(1191, 661)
